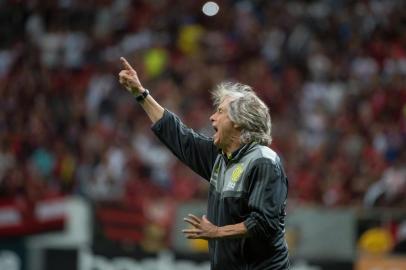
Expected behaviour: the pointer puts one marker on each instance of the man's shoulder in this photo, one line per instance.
(263, 153)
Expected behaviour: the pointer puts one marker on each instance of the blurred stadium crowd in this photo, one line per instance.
(332, 72)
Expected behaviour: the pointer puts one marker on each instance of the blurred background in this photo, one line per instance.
(84, 184)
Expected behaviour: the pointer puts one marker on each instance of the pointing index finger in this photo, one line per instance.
(126, 64)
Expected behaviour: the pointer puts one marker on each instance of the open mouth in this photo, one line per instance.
(215, 131)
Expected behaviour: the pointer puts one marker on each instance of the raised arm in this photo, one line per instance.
(195, 150)
(129, 79)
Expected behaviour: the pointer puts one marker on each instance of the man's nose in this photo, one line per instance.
(212, 117)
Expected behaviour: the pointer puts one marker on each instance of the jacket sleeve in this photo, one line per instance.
(195, 150)
(267, 199)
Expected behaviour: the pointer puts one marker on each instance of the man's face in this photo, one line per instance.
(226, 132)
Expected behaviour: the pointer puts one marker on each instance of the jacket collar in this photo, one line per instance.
(237, 154)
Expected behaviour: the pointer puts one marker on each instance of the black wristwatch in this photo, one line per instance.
(142, 96)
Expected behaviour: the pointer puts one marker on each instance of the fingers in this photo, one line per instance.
(193, 236)
(193, 233)
(189, 231)
(127, 65)
(193, 217)
(125, 78)
(197, 232)
(192, 222)
(124, 75)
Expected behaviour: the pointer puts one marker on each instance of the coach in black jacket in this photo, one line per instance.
(245, 222)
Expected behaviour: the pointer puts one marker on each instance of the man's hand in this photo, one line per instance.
(129, 79)
(202, 228)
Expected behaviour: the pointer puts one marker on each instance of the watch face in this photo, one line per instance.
(142, 96)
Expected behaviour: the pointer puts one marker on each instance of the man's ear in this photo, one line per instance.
(238, 127)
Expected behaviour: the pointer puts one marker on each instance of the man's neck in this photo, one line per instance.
(231, 149)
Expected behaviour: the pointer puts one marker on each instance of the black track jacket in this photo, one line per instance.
(250, 187)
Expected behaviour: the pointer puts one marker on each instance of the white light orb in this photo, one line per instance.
(210, 8)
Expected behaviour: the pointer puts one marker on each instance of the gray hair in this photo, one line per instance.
(246, 110)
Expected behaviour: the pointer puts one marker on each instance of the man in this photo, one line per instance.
(248, 186)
